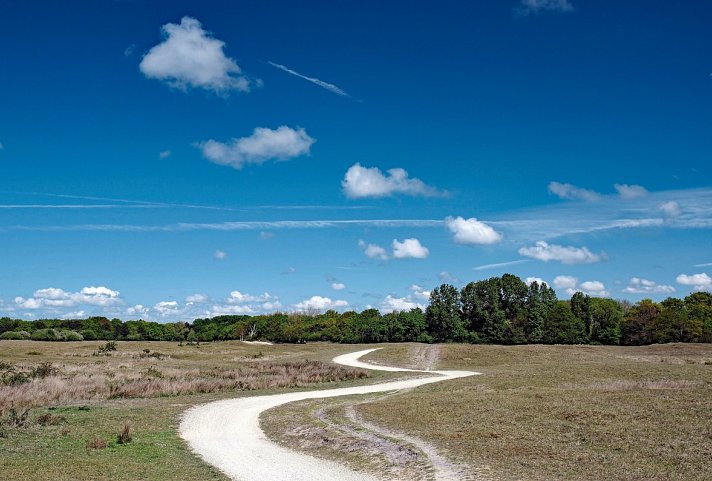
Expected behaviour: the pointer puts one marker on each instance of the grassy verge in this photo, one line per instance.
(75, 435)
(566, 412)
(536, 413)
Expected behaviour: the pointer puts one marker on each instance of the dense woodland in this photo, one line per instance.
(500, 310)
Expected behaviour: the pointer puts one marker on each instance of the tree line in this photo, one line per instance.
(499, 310)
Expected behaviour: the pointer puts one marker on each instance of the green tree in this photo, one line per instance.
(605, 321)
(581, 307)
(443, 315)
(541, 299)
(561, 326)
(637, 323)
(699, 310)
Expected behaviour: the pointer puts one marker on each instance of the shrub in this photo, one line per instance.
(14, 378)
(15, 335)
(49, 419)
(106, 348)
(96, 443)
(16, 419)
(47, 335)
(89, 335)
(124, 436)
(71, 336)
(43, 370)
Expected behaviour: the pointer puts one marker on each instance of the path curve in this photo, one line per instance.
(227, 433)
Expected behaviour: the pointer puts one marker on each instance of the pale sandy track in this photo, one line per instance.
(227, 433)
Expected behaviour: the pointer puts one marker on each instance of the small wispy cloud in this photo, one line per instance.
(535, 7)
(630, 191)
(325, 85)
(499, 264)
(571, 192)
(362, 182)
(129, 50)
(546, 252)
(282, 143)
(78, 206)
(165, 154)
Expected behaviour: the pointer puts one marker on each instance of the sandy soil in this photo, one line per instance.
(227, 433)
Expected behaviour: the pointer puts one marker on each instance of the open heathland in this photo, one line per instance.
(75, 411)
(535, 413)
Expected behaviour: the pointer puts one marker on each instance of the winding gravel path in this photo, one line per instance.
(227, 433)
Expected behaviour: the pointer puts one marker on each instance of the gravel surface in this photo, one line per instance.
(227, 433)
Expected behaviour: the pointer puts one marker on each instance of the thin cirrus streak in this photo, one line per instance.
(500, 264)
(325, 85)
(80, 206)
(133, 203)
(232, 226)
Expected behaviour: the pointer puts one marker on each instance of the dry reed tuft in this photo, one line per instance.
(110, 379)
(124, 436)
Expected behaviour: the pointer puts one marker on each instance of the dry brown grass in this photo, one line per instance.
(566, 412)
(68, 375)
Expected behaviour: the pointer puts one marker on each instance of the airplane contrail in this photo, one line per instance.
(325, 85)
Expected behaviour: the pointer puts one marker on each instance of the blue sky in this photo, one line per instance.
(169, 160)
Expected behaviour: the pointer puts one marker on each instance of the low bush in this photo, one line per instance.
(49, 419)
(15, 335)
(107, 348)
(16, 418)
(89, 335)
(96, 443)
(43, 370)
(71, 336)
(47, 335)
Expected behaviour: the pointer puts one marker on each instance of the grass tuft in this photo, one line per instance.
(97, 443)
(124, 436)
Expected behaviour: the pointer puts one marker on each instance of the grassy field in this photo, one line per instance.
(536, 413)
(73, 412)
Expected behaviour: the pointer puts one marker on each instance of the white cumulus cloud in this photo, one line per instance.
(565, 254)
(237, 297)
(419, 292)
(638, 285)
(191, 57)
(373, 251)
(166, 307)
(471, 231)
(53, 297)
(196, 299)
(531, 280)
(409, 248)
(319, 303)
(565, 282)
(338, 286)
(282, 143)
(571, 286)
(630, 191)
(393, 304)
(670, 209)
(571, 192)
(699, 282)
(219, 255)
(362, 182)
